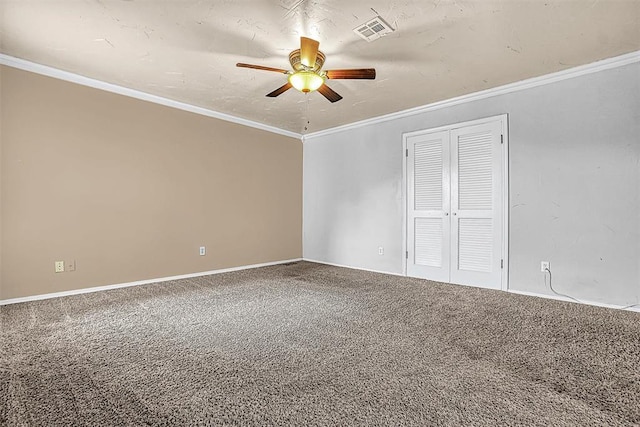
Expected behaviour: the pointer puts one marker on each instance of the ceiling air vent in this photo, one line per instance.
(373, 29)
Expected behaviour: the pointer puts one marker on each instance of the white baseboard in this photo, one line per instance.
(531, 294)
(266, 264)
(352, 267)
(565, 299)
(140, 282)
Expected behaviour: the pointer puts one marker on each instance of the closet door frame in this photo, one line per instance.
(504, 123)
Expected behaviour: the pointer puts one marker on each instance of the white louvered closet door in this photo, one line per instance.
(428, 206)
(455, 205)
(476, 205)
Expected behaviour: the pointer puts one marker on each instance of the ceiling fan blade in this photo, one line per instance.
(280, 90)
(360, 73)
(329, 93)
(261, 67)
(308, 51)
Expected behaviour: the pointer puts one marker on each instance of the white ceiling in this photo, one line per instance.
(186, 50)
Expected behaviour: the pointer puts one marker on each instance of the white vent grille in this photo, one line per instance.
(373, 29)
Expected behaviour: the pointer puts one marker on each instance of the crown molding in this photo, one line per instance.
(45, 70)
(605, 64)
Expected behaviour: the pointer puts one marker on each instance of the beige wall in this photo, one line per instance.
(130, 189)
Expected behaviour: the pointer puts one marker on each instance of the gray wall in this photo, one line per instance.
(574, 186)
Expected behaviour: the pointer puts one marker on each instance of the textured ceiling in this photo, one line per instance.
(186, 50)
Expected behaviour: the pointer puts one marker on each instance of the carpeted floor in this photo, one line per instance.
(308, 344)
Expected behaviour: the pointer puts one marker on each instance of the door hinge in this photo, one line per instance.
(501, 139)
(407, 153)
(501, 263)
(406, 254)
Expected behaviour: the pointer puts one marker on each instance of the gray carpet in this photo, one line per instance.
(308, 344)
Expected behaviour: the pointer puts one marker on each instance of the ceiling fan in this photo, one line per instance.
(307, 74)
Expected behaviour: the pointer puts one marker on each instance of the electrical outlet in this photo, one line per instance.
(203, 251)
(59, 266)
(544, 266)
(380, 250)
(70, 265)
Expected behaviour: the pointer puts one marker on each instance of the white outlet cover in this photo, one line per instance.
(380, 250)
(59, 266)
(203, 250)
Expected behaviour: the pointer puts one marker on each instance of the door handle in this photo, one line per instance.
(446, 214)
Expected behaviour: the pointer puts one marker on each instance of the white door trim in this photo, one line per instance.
(504, 120)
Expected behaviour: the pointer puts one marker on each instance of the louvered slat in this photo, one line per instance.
(428, 175)
(475, 242)
(428, 242)
(475, 171)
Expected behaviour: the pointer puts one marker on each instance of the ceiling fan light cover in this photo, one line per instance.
(306, 81)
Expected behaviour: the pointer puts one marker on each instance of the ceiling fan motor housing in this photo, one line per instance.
(294, 60)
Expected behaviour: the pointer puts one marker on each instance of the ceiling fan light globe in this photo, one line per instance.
(306, 81)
